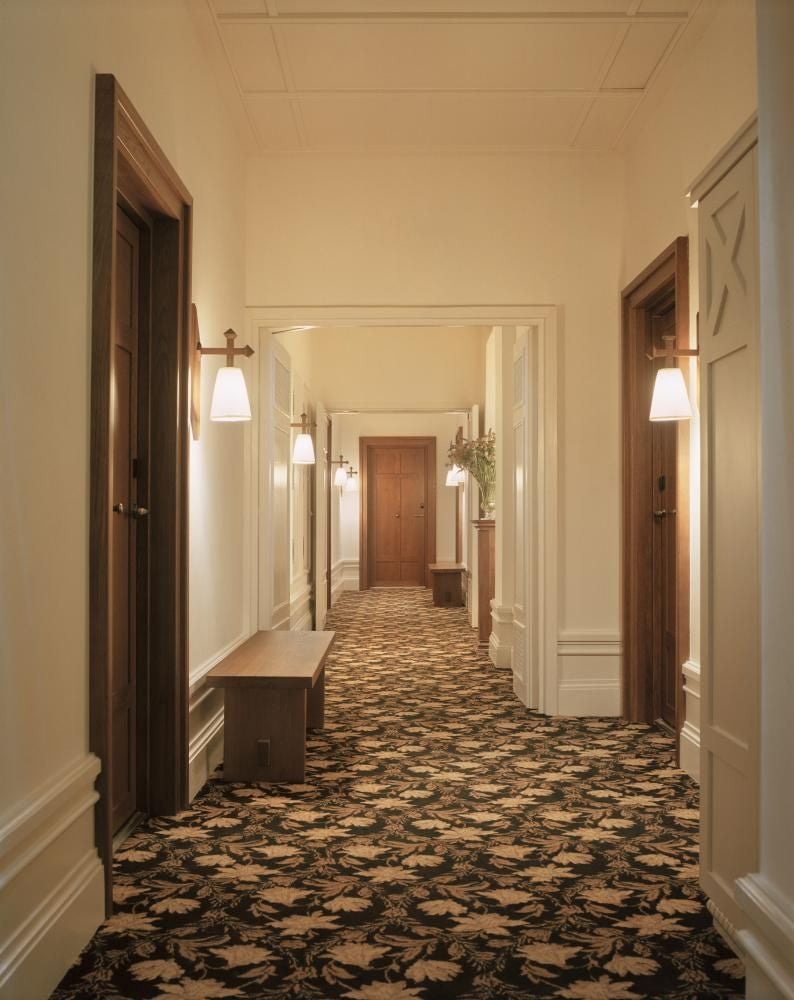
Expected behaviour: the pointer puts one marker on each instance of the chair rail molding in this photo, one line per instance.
(51, 885)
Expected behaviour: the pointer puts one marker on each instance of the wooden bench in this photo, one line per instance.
(447, 590)
(274, 689)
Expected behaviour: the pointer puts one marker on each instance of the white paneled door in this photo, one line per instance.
(730, 532)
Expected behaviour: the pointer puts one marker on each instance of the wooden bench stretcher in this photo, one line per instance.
(274, 690)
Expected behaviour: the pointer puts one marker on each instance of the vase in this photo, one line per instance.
(487, 500)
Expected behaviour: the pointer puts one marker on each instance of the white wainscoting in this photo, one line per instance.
(51, 881)
(500, 642)
(344, 576)
(205, 720)
(300, 609)
(690, 731)
(589, 665)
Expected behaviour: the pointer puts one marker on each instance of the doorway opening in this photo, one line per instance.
(138, 573)
(398, 511)
(655, 530)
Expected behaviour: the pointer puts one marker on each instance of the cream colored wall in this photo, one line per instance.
(400, 367)
(49, 52)
(476, 230)
(704, 94)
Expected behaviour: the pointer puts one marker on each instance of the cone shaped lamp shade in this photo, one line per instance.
(340, 477)
(670, 400)
(452, 478)
(303, 452)
(352, 483)
(230, 396)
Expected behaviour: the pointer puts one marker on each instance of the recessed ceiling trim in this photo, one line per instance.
(489, 18)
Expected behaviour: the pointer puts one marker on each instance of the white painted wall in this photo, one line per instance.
(388, 367)
(48, 55)
(703, 95)
(462, 230)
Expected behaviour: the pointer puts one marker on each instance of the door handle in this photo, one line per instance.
(134, 511)
(396, 515)
(659, 514)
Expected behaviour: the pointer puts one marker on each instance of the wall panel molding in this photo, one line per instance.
(51, 914)
(589, 672)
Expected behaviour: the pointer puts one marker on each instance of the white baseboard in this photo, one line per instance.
(689, 749)
(51, 881)
(344, 576)
(500, 641)
(768, 940)
(584, 698)
(588, 667)
(205, 752)
(500, 653)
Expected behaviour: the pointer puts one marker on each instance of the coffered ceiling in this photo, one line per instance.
(475, 75)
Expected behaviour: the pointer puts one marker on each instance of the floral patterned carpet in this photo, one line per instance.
(447, 843)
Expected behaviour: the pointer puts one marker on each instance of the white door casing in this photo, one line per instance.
(322, 471)
(524, 678)
(278, 524)
(730, 482)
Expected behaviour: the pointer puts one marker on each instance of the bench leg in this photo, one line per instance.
(316, 719)
(276, 716)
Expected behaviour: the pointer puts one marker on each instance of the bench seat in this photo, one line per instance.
(274, 689)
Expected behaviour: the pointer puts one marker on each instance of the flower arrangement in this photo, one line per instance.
(478, 457)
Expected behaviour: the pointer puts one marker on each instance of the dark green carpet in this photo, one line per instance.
(447, 843)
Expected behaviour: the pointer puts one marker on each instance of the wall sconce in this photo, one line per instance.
(340, 476)
(351, 483)
(303, 449)
(230, 403)
(455, 476)
(670, 400)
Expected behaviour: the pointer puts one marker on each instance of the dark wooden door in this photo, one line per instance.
(399, 492)
(664, 461)
(123, 556)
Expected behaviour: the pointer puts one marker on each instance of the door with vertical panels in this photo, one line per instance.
(730, 533)
(398, 495)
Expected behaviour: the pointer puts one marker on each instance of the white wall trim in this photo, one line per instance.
(500, 641)
(593, 643)
(205, 735)
(27, 936)
(689, 748)
(769, 938)
(38, 820)
(589, 697)
(691, 672)
(197, 674)
(689, 741)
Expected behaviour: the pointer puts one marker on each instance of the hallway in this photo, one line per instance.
(446, 844)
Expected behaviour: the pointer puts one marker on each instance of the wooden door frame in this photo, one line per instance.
(668, 272)
(130, 167)
(366, 444)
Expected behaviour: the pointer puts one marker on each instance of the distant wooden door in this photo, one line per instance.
(125, 525)
(400, 489)
(398, 507)
(664, 488)
(655, 499)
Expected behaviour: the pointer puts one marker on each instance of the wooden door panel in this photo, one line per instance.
(396, 522)
(124, 430)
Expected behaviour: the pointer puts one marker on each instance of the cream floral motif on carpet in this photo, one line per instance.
(447, 843)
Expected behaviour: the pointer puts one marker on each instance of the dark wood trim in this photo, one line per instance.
(130, 168)
(365, 445)
(667, 274)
